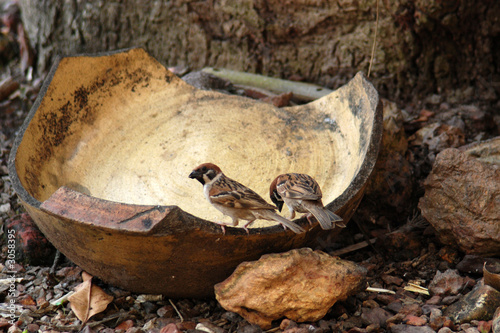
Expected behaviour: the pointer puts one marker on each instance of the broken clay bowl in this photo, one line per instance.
(102, 163)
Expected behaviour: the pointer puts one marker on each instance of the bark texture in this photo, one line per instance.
(423, 46)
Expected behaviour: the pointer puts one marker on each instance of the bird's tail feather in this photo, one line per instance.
(270, 215)
(326, 218)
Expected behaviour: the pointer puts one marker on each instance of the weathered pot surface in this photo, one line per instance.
(102, 163)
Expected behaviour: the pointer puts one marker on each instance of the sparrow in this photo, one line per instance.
(302, 194)
(236, 200)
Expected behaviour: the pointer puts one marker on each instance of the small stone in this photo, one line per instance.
(402, 328)
(231, 316)
(434, 300)
(437, 322)
(287, 323)
(300, 284)
(415, 321)
(450, 255)
(372, 328)
(495, 323)
(134, 330)
(389, 279)
(447, 283)
(208, 328)
(4, 208)
(125, 325)
(249, 328)
(395, 306)
(472, 330)
(473, 264)
(450, 324)
(386, 298)
(166, 311)
(32, 327)
(170, 328)
(445, 330)
(14, 329)
(412, 309)
(478, 304)
(370, 303)
(186, 325)
(447, 300)
(435, 313)
(484, 326)
(396, 319)
(376, 316)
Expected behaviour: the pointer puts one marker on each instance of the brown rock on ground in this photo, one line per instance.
(446, 283)
(300, 284)
(462, 201)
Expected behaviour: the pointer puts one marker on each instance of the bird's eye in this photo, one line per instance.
(204, 169)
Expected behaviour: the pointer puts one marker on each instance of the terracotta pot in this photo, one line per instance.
(102, 163)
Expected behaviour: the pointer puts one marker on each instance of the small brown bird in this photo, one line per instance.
(236, 200)
(302, 194)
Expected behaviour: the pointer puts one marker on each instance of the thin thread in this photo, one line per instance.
(374, 44)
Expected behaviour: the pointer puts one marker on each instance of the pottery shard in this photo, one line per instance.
(462, 202)
(299, 284)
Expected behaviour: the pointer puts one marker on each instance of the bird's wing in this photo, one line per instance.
(298, 186)
(232, 194)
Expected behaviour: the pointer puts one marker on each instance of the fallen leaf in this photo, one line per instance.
(491, 279)
(88, 299)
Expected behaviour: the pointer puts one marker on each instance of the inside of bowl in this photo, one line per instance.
(123, 128)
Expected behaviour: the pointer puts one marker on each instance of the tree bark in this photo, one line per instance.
(426, 47)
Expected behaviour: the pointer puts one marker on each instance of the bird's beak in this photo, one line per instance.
(195, 174)
(279, 204)
(276, 198)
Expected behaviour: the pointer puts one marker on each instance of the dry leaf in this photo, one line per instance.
(88, 299)
(491, 279)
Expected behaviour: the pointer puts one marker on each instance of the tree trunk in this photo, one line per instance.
(450, 47)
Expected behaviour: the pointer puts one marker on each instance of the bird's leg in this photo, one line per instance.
(309, 219)
(292, 213)
(247, 224)
(223, 225)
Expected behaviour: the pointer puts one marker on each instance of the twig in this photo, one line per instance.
(380, 290)
(353, 247)
(374, 43)
(176, 310)
(61, 299)
(111, 317)
(57, 257)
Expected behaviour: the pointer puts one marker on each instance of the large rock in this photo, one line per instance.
(299, 284)
(462, 198)
(479, 304)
